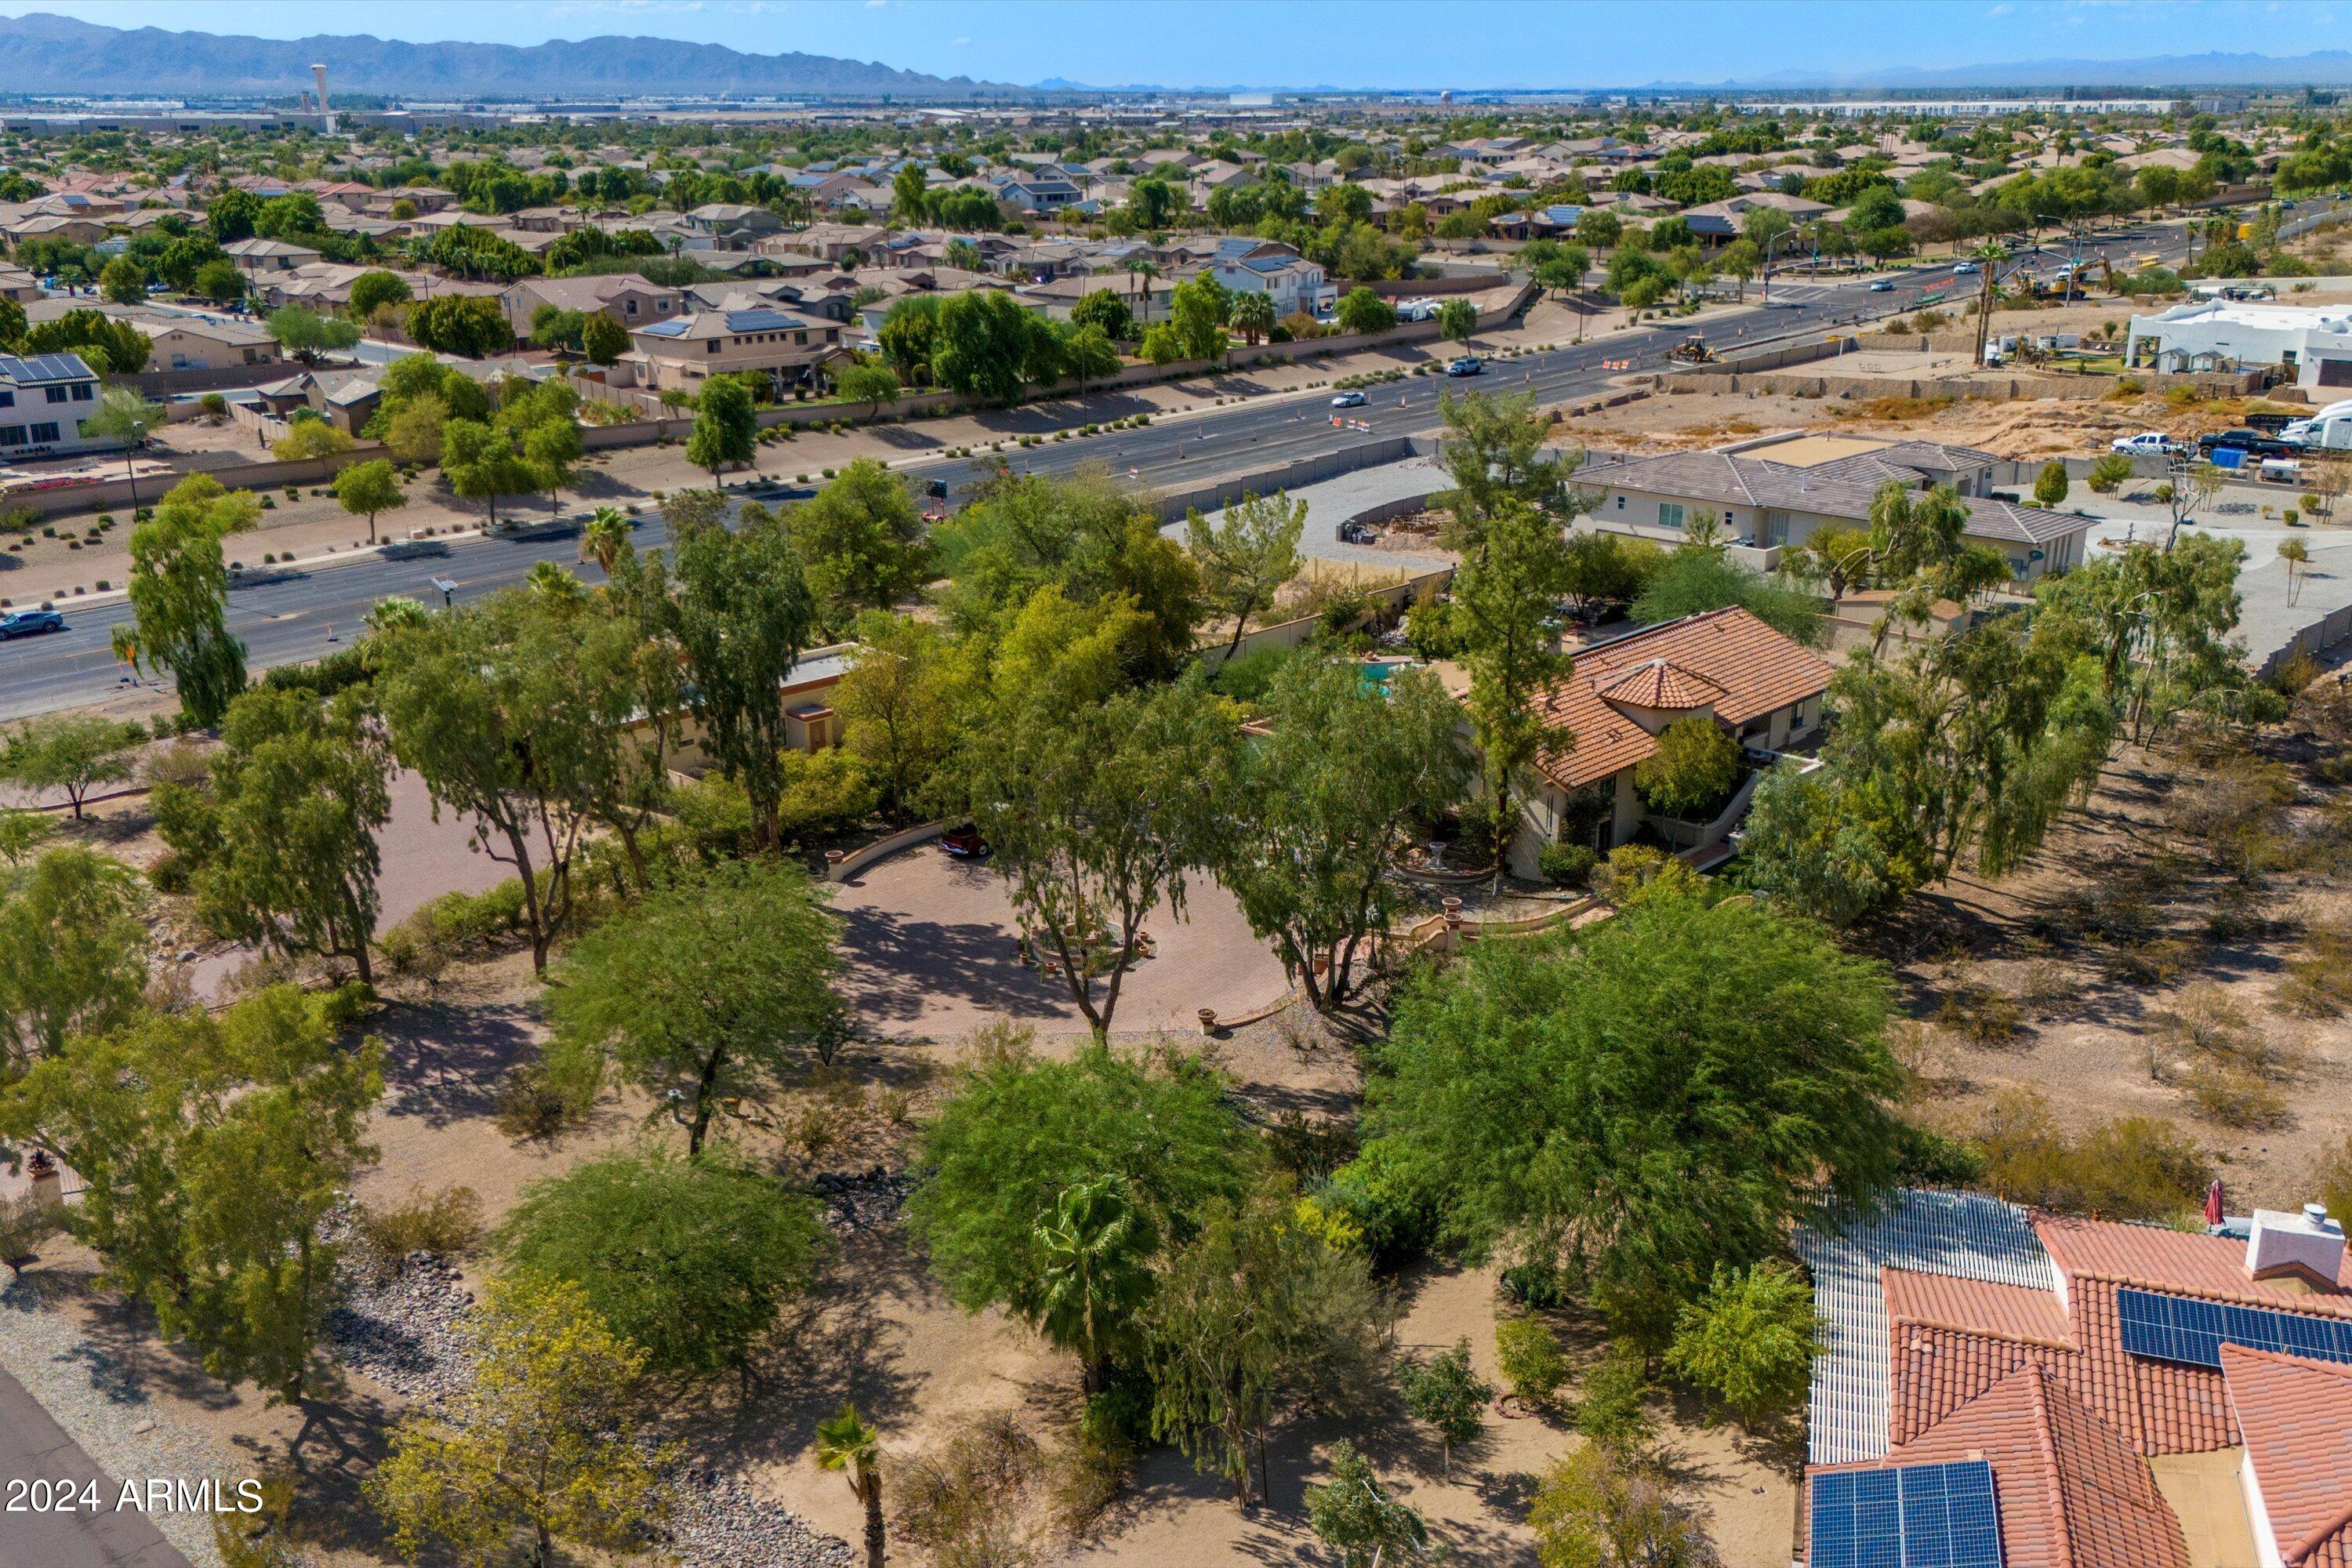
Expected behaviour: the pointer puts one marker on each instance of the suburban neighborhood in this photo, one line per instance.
(790, 793)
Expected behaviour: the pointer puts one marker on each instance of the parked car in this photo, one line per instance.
(2252, 442)
(1349, 400)
(1882, 286)
(964, 843)
(2146, 444)
(1468, 365)
(28, 623)
(1965, 269)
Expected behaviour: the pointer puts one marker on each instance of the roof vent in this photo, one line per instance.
(2308, 1244)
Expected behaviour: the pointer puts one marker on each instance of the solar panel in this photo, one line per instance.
(1913, 1516)
(2192, 1331)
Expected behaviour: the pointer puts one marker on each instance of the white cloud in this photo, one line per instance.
(957, 43)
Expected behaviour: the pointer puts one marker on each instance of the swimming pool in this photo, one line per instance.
(1377, 671)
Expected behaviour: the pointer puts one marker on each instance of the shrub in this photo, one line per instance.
(2109, 472)
(2134, 1167)
(1568, 865)
(25, 1223)
(2236, 1096)
(2334, 1179)
(530, 1106)
(1443, 1392)
(1528, 1353)
(1751, 1341)
(1613, 1412)
(1979, 1016)
(1245, 676)
(1396, 1212)
(2319, 983)
(448, 1222)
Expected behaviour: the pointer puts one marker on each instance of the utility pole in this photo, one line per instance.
(1989, 257)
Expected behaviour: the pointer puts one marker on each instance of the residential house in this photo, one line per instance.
(74, 230)
(195, 342)
(1720, 222)
(2003, 1387)
(1776, 491)
(2314, 342)
(1038, 193)
(347, 399)
(1724, 666)
(44, 398)
(259, 259)
(833, 242)
(1289, 279)
(687, 348)
(629, 299)
(18, 284)
(731, 225)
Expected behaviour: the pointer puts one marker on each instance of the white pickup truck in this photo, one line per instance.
(2146, 444)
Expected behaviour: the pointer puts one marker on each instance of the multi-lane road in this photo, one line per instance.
(309, 615)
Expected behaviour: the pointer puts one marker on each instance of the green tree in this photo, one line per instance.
(1597, 1509)
(726, 432)
(872, 385)
(231, 215)
(1017, 1131)
(984, 342)
(1632, 1103)
(72, 753)
(1196, 311)
(1254, 1314)
(1749, 1342)
(2296, 557)
(307, 438)
(741, 615)
(1693, 767)
(909, 198)
(1247, 557)
(2050, 485)
(1354, 1515)
(541, 1445)
(1103, 307)
(1504, 595)
(473, 325)
(1362, 310)
(366, 489)
(73, 952)
(1446, 1393)
(603, 339)
(909, 334)
(105, 345)
(860, 542)
(1096, 814)
(371, 292)
(220, 281)
(281, 840)
(480, 463)
(178, 591)
(1527, 1352)
(309, 336)
(848, 1446)
(1326, 805)
(904, 703)
(213, 1149)
(689, 1258)
(123, 281)
(1700, 576)
(123, 415)
(706, 993)
(2159, 622)
(1496, 454)
(1457, 321)
(1089, 355)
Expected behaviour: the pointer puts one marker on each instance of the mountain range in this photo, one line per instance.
(46, 54)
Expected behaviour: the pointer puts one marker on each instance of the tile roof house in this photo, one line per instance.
(1604, 718)
(2115, 1437)
(687, 348)
(1775, 491)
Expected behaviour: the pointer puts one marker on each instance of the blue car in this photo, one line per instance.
(26, 623)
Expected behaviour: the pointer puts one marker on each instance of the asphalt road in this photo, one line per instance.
(34, 1448)
(308, 615)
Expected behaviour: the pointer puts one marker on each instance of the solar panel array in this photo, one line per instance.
(2184, 1328)
(1914, 1516)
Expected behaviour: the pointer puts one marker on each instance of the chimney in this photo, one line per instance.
(319, 75)
(2307, 1245)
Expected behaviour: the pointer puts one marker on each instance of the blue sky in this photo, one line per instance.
(1345, 43)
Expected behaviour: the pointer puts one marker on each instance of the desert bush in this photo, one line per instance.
(1982, 1017)
(2047, 988)
(2203, 1021)
(2333, 1178)
(966, 1506)
(2155, 961)
(2319, 983)
(1092, 1465)
(2133, 1167)
(532, 1106)
(1528, 1352)
(2235, 1096)
(448, 1222)
(24, 1224)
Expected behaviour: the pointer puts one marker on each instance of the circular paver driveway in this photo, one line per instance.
(929, 944)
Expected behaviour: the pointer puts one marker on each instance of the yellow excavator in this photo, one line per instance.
(1692, 350)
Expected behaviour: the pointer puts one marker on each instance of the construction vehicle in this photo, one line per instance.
(1692, 350)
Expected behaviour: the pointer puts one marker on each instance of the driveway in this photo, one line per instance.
(931, 946)
(33, 1446)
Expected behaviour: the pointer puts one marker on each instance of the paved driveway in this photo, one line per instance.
(931, 953)
(31, 1446)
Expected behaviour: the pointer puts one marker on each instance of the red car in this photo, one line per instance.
(964, 843)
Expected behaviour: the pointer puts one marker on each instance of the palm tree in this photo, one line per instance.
(1145, 270)
(1252, 316)
(552, 583)
(1094, 1275)
(847, 1444)
(603, 538)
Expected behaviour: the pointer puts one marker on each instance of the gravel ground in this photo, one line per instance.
(406, 1331)
(102, 1408)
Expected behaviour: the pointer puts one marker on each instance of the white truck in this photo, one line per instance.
(2330, 429)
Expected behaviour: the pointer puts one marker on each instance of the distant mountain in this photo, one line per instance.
(41, 53)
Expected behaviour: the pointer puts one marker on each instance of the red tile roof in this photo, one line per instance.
(1661, 683)
(1975, 1306)
(2297, 1415)
(2182, 1262)
(1755, 668)
(2159, 1407)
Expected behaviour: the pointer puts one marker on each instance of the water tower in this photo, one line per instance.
(319, 75)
